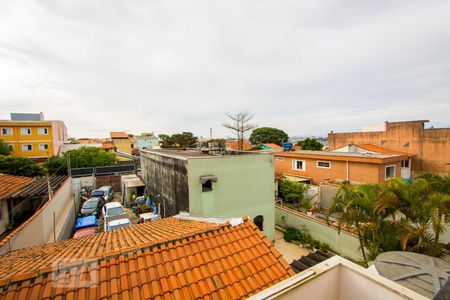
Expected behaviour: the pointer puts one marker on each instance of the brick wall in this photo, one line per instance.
(358, 171)
(431, 146)
(112, 180)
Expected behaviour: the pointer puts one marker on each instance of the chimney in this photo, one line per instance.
(41, 116)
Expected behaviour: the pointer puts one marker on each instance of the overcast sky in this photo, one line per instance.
(170, 66)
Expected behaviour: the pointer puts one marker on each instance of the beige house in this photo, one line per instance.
(121, 142)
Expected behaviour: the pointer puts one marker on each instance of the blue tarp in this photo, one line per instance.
(83, 222)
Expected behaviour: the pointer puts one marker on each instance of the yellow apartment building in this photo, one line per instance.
(33, 138)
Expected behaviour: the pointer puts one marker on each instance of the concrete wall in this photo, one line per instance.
(4, 217)
(40, 229)
(431, 146)
(245, 187)
(345, 244)
(167, 177)
(327, 193)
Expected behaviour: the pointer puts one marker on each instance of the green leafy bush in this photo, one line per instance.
(303, 237)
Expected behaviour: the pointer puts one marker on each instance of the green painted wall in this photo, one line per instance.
(245, 187)
(343, 243)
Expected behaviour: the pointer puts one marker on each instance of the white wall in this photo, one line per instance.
(40, 229)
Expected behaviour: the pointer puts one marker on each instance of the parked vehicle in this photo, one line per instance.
(91, 207)
(105, 192)
(116, 224)
(148, 217)
(84, 222)
(85, 232)
(113, 211)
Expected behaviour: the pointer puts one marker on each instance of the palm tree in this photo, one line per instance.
(353, 210)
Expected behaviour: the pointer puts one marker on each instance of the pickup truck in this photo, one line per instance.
(116, 224)
(113, 211)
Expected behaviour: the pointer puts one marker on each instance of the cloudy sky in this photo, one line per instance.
(306, 67)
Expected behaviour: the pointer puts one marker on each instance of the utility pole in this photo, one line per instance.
(210, 133)
(68, 165)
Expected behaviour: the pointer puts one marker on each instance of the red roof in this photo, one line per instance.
(118, 135)
(233, 145)
(108, 145)
(178, 259)
(10, 184)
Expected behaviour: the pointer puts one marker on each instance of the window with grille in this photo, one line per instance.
(323, 164)
(299, 165)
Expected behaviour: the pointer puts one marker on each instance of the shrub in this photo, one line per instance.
(291, 234)
(302, 235)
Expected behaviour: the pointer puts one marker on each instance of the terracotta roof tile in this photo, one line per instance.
(118, 135)
(220, 262)
(11, 184)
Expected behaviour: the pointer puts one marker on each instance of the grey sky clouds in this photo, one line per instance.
(307, 67)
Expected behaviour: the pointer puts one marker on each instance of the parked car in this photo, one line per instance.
(91, 207)
(87, 231)
(116, 224)
(105, 192)
(113, 211)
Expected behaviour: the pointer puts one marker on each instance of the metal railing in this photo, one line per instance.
(105, 170)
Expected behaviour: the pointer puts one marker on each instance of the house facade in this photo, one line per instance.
(430, 146)
(29, 135)
(146, 141)
(121, 142)
(316, 167)
(205, 185)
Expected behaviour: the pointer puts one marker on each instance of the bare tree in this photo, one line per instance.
(240, 124)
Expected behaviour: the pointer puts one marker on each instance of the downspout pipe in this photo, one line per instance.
(347, 171)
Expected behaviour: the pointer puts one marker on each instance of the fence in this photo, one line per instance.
(106, 170)
(343, 243)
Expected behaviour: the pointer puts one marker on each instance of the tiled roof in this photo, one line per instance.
(212, 261)
(343, 156)
(233, 145)
(108, 145)
(381, 150)
(312, 259)
(118, 135)
(34, 258)
(10, 184)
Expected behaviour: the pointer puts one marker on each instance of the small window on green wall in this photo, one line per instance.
(207, 186)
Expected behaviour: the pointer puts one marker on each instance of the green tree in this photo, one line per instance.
(56, 165)
(80, 158)
(294, 192)
(353, 211)
(4, 148)
(310, 144)
(20, 166)
(268, 135)
(90, 157)
(178, 140)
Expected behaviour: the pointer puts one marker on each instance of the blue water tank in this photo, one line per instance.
(288, 146)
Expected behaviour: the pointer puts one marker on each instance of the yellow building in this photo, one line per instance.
(33, 138)
(121, 142)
